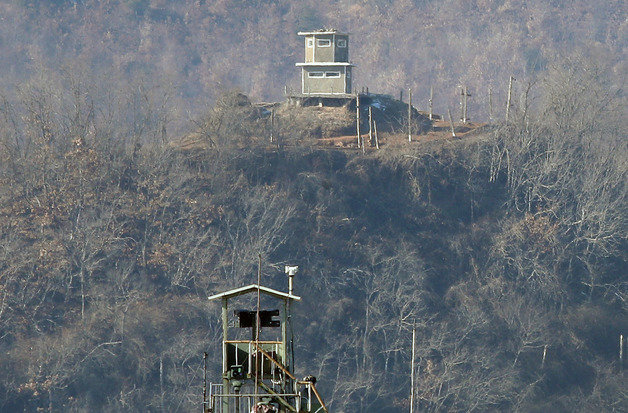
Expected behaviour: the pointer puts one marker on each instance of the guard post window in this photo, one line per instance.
(324, 43)
(332, 74)
(310, 42)
(342, 43)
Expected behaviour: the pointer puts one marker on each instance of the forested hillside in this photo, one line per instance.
(506, 250)
(201, 48)
(498, 248)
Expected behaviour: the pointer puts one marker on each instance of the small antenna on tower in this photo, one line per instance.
(291, 270)
(258, 364)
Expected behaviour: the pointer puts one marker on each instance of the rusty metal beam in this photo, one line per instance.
(285, 370)
(280, 399)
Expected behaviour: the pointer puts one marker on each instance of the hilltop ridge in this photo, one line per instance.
(322, 125)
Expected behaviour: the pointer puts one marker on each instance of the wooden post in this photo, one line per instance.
(544, 355)
(376, 138)
(409, 115)
(431, 100)
(621, 352)
(509, 97)
(370, 126)
(412, 371)
(451, 122)
(82, 296)
(490, 105)
(357, 116)
(462, 103)
(464, 106)
(272, 123)
(401, 95)
(161, 381)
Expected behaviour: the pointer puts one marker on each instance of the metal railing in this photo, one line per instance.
(284, 390)
(252, 364)
(305, 398)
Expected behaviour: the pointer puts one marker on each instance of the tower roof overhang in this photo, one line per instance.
(315, 32)
(324, 64)
(253, 288)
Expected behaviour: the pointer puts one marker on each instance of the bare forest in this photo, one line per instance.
(505, 251)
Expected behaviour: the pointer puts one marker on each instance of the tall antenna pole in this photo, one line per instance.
(204, 382)
(409, 115)
(357, 116)
(431, 100)
(257, 323)
(509, 97)
(291, 270)
(412, 371)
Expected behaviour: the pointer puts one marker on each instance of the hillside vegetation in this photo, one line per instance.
(202, 48)
(497, 249)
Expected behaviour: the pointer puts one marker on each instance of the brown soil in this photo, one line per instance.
(336, 126)
(440, 131)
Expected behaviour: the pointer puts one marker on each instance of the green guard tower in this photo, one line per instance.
(326, 70)
(326, 73)
(258, 372)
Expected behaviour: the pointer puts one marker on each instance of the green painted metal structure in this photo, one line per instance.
(257, 374)
(326, 70)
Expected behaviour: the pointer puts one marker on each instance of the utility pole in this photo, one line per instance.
(205, 382)
(464, 94)
(257, 328)
(451, 122)
(370, 126)
(465, 117)
(409, 115)
(621, 353)
(431, 100)
(291, 271)
(509, 97)
(357, 116)
(412, 371)
(461, 119)
(490, 105)
(272, 123)
(161, 382)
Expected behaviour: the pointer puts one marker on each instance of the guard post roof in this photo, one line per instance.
(321, 31)
(251, 289)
